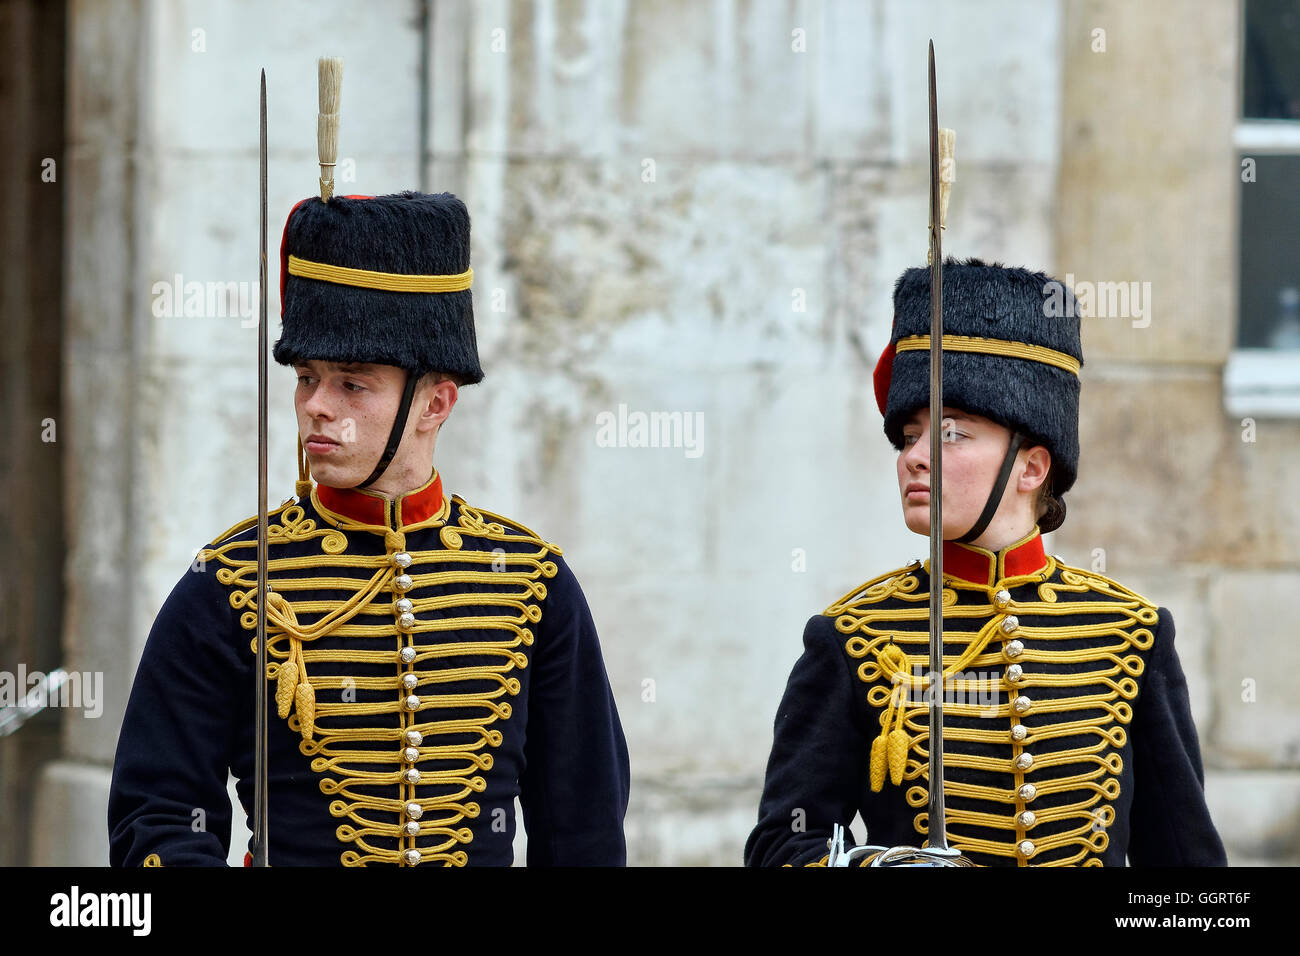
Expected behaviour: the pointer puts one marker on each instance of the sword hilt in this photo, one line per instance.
(890, 855)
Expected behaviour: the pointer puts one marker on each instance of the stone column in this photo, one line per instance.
(102, 297)
(1205, 524)
(160, 346)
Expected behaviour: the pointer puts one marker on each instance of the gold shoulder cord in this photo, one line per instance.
(895, 660)
(517, 587)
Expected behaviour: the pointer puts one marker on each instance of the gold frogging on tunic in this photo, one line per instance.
(515, 587)
(885, 622)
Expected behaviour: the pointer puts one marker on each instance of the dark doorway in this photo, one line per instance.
(32, 60)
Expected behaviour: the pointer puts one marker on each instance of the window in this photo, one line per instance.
(1263, 373)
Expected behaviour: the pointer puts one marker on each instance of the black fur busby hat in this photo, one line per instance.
(1011, 353)
(379, 279)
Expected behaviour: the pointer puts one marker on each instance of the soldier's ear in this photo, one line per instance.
(435, 396)
(1038, 464)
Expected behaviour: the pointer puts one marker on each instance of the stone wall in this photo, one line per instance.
(1181, 501)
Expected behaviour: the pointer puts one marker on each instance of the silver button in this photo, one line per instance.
(1013, 649)
(401, 559)
(414, 738)
(411, 828)
(1010, 623)
(1021, 704)
(412, 703)
(403, 606)
(411, 776)
(407, 655)
(1027, 792)
(1019, 732)
(1025, 848)
(402, 582)
(406, 621)
(414, 811)
(412, 857)
(1015, 672)
(1002, 599)
(1027, 819)
(409, 681)
(410, 755)
(1024, 761)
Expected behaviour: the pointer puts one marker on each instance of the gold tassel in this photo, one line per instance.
(898, 742)
(892, 659)
(284, 687)
(878, 764)
(306, 701)
(302, 487)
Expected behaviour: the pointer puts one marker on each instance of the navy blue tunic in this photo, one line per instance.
(444, 663)
(1068, 736)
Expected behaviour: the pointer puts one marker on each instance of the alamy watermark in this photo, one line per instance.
(1114, 300)
(982, 689)
(27, 692)
(636, 429)
(176, 298)
(74, 908)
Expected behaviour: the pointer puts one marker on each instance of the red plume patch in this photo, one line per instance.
(284, 245)
(882, 376)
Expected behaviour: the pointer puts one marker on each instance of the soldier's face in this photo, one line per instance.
(345, 413)
(973, 448)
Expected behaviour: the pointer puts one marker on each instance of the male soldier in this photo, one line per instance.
(430, 660)
(1068, 737)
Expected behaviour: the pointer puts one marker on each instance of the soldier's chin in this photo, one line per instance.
(333, 474)
(917, 518)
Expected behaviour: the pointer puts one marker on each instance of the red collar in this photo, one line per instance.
(370, 507)
(981, 566)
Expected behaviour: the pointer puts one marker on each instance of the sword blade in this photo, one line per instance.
(259, 847)
(937, 823)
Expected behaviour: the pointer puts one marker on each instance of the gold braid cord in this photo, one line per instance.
(1038, 692)
(380, 663)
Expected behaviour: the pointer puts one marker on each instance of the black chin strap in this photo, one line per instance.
(395, 436)
(995, 496)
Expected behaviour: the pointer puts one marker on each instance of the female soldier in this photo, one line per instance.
(1068, 737)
